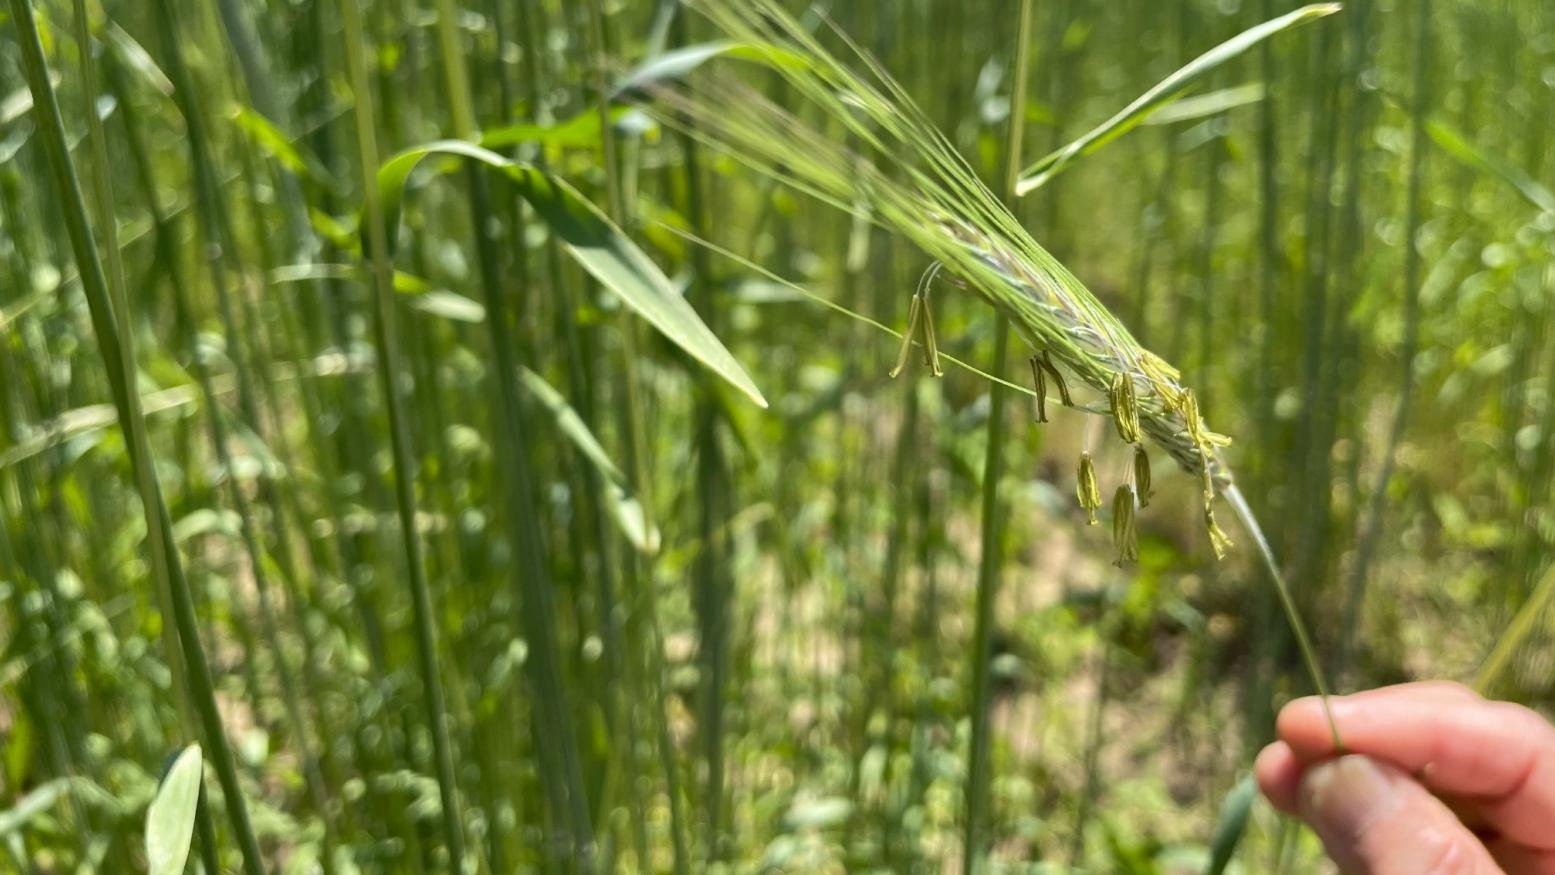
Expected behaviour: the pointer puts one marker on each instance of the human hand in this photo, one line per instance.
(1433, 779)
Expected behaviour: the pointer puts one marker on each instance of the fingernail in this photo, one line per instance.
(1343, 795)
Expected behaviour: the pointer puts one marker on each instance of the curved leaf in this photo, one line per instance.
(1232, 825)
(598, 246)
(1164, 92)
(38, 800)
(449, 305)
(419, 294)
(623, 506)
(678, 63)
(578, 131)
(1454, 143)
(170, 818)
(1213, 103)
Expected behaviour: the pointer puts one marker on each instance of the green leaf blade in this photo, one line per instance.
(1163, 93)
(624, 507)
(590, 238)
(620, 266)
(170, 817)
(679, 63)
(1234, 813)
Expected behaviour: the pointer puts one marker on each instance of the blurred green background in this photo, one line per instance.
(637, 622)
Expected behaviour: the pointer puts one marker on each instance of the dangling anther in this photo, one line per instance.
(1206, 478)
(1057, 378)
(1087, 490)
(1142, 474)
(1189, 407)
(920, 327)
(930, 344)
(1219, 541)
(1040, 379)
(1125, 535)
(914, 316)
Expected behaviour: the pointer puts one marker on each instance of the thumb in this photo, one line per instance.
(1375, 820)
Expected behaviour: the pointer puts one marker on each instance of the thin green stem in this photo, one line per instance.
(1516, 634)
(389, 368)
(1371, 528)
(531, 577)
(974, 851)
(1298, 628)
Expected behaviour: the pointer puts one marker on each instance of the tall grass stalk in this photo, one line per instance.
(582, 395)
(389, 369)
(209, 208)
(974, 843)
(1257, 709)
(713, 584)
(1413, 218)
(622, 764)
(1516, 635)
(116, 348)
(532, 579)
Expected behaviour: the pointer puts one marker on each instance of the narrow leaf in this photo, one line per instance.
(590, 238)
(1164, 92)
(1204, 105)
(419, 294)
(578, 131)
(1460, 147)
(135, 56)
(37, 801)
(679, 63)
(1232, 825)
(448, 305)
(623, 506)
(170, 818)
(268, 137)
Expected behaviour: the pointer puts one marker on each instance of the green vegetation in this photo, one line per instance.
(503, 437)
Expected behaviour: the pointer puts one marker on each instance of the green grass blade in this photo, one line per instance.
(1232, 825)
(1190, 109)
(37, 801)
(375, 225)
(1461, 148)
(624, 507)
(1164, 92)
(679, 63)
(1517, 633)
(593, 241)
(579, 131)
(170, 817)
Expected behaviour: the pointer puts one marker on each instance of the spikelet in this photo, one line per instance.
(1125, 407)
(896, 168)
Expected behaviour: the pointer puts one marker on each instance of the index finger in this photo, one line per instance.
(1498, 755)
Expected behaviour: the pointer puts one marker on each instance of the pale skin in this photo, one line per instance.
(1433, 780)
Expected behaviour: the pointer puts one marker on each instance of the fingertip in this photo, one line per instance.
(1303, 725)
(1278, 775)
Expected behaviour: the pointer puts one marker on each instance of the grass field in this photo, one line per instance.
(749, 435)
